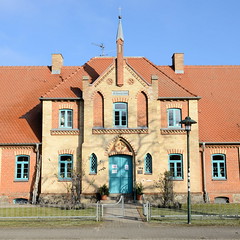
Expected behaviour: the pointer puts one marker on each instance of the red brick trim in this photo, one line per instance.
(65, 132)
(120, 131)
(173, 131)
(120, 99)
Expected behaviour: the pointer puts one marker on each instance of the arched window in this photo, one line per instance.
(22, 168)
(93, 164)
(174, 117)
(142, 110)
(148, 164)
(98, 110)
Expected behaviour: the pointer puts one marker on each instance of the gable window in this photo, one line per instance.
(93, 164)
(22, 168)
(120, 114)
(65, 167)
(218, 166)
(176, 166)
(174, 117)
(148, 164)
(65, 118)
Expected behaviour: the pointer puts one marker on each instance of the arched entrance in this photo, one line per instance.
(120, 174)
(121, 169)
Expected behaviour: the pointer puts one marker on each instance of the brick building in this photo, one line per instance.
(115, 120)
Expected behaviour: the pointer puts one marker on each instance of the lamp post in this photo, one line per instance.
(188, 123)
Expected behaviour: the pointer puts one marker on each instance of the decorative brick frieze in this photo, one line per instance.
(136, 76)
(173, 131)
(107, 73)
(65, 132)
(120, 131)
(172, 151)
(120, 99)
(66, 151)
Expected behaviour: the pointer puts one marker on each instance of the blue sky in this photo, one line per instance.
(206, 31)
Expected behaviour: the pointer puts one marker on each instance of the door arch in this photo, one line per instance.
(120, 174)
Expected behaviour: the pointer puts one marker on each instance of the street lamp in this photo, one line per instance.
(188, 122)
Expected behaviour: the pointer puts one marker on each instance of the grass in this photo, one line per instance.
(30, 211)
(207, 214)
(44, 223)
(200, 209)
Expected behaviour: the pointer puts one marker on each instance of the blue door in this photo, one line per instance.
(120, 174)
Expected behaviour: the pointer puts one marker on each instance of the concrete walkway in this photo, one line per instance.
(115, 213)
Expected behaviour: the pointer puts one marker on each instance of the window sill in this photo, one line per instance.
(177, 179)
(173, 131)
(219, 179)
(98, 130)
(147, 173)
(64, 180)
(21, 180)
(92, 173)
(65, 131)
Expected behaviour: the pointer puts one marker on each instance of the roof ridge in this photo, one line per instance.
(169, 77)
(62, 81)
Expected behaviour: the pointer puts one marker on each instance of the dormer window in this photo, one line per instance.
(65, 118)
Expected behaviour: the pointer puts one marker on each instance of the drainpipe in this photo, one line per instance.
(205, 195)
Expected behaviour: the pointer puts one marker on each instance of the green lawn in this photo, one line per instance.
(220, 214)
(200, 209)
(25, 211)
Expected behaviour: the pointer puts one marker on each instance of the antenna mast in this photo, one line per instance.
(102, 48)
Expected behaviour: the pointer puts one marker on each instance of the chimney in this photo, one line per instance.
(178, 62)
(57, 63)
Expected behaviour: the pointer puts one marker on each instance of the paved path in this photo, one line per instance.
(130, 227)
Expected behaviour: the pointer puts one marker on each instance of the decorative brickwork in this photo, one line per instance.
(66, 151)
(107, 72)
(120, 99)
(120, 131)
(171, 151)
(65, 132)
(120, 145)
(173, 131)
(136, 76)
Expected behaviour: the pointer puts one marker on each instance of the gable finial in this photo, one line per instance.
(120, 30)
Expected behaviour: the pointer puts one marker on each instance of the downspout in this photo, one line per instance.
(37, 175)
(205, 195)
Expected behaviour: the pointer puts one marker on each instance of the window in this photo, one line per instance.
(65, 167)
(65, 118)
(175, 165)
(22, 168)
(174, 117)
(93, 164)
(120, 114)
(218, 166)
(148, 164)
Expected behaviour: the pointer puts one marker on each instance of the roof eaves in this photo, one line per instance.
(187, 98)
(49, 99)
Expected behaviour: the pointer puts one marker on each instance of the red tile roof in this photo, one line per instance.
(219, 106)
(20, 108)
(21, 88)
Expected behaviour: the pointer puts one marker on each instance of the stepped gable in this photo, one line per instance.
(218, 86)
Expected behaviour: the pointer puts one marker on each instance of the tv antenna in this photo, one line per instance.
(101, 45)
